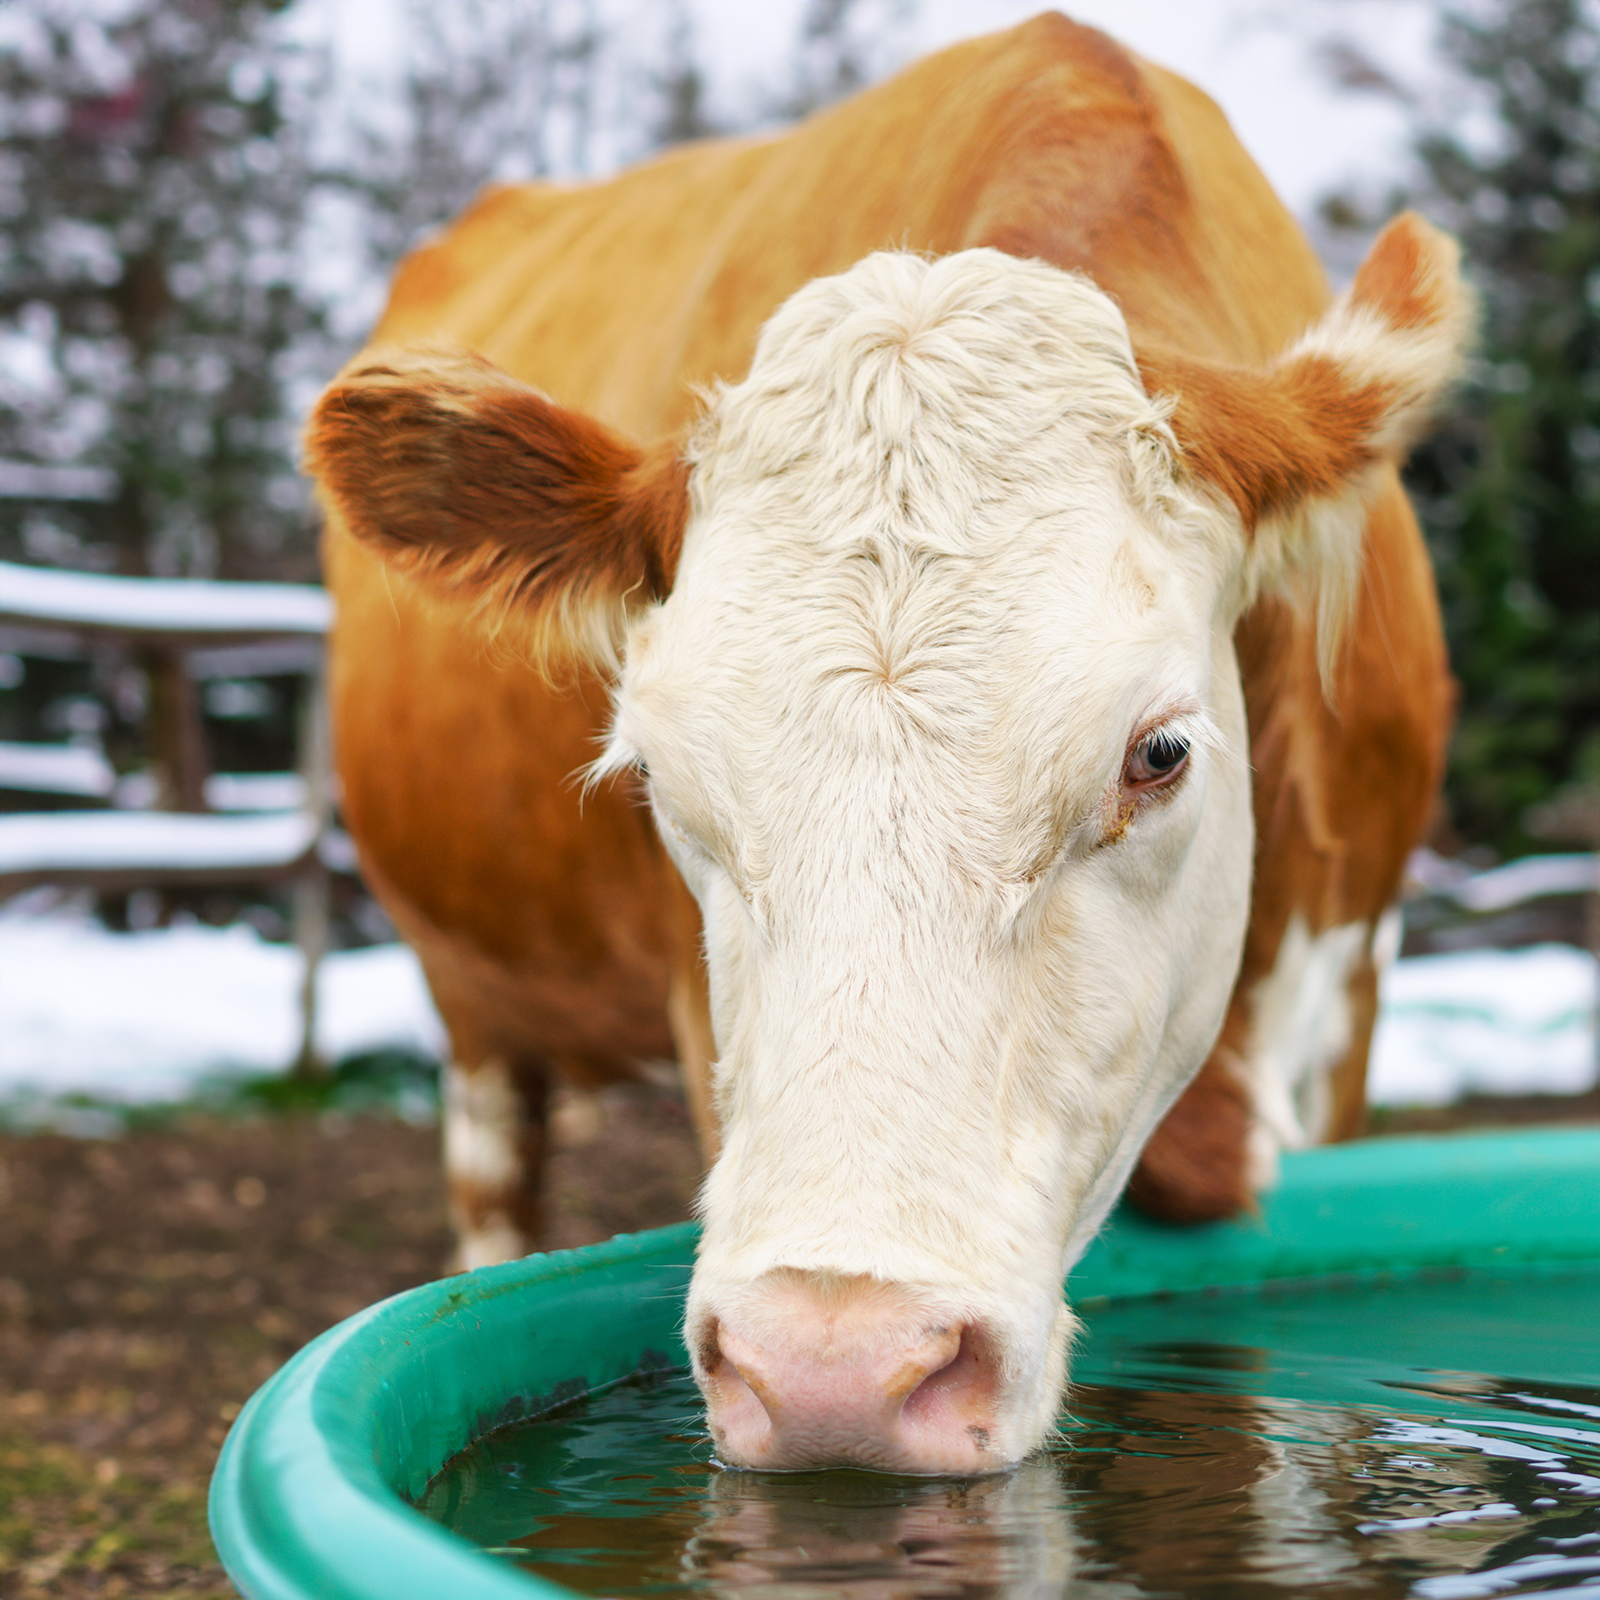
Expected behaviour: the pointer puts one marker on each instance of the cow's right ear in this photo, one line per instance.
(1295, 445)
(488, 490)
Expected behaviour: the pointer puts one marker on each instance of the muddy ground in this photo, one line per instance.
(149, 1283)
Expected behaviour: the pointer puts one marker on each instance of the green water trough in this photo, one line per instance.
(312, 1497)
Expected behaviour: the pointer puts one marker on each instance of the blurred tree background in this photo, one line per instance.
(1508, 159)
(198, 214)
(153, 177)
(201, 203)
(197, 218)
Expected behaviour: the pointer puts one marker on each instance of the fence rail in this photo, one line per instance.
(181, 631)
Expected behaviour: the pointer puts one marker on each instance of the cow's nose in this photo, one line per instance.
(829, 1386)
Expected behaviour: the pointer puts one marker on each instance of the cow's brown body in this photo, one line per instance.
(555, 933)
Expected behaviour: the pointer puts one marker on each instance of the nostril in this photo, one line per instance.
(962, 1393)
(729, 1373)
(707, 1346)
(835, 1385)
(938, 1350)
(739, 1407)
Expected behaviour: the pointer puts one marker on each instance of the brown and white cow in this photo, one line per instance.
(1029, 658)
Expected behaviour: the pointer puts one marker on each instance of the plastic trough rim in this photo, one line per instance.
(303, 1508)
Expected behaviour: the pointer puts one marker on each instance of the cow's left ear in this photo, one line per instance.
(1293, 445)
(489, 491)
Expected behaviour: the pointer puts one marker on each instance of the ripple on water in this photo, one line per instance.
(1431, 1439)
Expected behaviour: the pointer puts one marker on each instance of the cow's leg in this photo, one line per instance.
(1195, 1167)
(495, 1113)
(1347, 1090)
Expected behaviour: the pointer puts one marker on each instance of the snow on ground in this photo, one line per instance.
(145, 1017)
(1485, 1022)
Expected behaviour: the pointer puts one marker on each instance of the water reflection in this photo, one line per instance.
(1176, 1491)
(858, 1538)
(1155, 1493)
(1194, 1468)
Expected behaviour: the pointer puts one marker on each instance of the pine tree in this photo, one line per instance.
(1509, 491)
(160, 320)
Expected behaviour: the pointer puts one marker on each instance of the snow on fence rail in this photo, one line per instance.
(83, 772)
(173, 608)
(173, 624)
(1500, 888)
(115, 850)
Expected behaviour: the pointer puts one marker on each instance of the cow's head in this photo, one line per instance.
(926, 656)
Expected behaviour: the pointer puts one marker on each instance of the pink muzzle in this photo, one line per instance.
(848, 1375)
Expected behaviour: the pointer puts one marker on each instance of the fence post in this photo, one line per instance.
(177, 734)
(312, 887)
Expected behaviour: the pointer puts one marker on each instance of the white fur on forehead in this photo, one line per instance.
(932, 384)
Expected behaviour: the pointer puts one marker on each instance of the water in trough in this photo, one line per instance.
(1438, 1439)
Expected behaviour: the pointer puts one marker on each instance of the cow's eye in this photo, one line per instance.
(1156, 760)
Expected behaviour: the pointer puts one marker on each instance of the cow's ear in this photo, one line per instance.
(487, 489)
(1293, 446)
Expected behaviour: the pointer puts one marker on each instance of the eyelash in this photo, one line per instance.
(1156, 762)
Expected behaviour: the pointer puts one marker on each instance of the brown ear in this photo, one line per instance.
(1292, 445)
(485, 488)
(1358, 387)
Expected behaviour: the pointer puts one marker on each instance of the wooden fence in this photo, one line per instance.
(181, 632)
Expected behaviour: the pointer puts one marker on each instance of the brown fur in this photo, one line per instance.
(1406, 274)
(1302, 428)
(1268, 440)
(554, 928)
(453, 469)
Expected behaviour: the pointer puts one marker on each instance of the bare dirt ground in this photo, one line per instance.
(149, 1283)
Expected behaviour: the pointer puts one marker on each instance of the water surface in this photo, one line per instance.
(1430, 1439)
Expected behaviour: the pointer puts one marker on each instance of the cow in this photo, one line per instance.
(915, 617)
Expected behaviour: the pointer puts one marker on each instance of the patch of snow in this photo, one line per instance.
(144, 1017)
(35, 842)
(1485, 1022)
(73, 769)
(137, 791)
(255, 791)
(82, 770)
(161, 605)
(337, 852)
(1529, 879)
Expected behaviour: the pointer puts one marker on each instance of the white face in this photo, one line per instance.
(914, 720)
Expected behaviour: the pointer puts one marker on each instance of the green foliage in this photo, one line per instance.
(383, 1080)
(1509, 490)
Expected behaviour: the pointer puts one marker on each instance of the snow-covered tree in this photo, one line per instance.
(153, 176)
